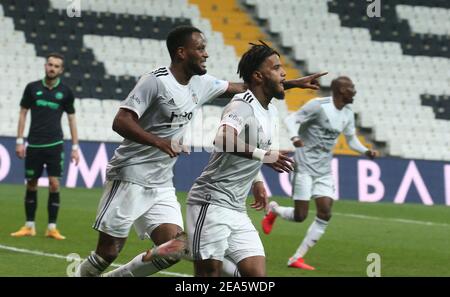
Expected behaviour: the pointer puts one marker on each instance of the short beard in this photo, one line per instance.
(280, 95)
(277, 94)
(49, 77)
(197, 70)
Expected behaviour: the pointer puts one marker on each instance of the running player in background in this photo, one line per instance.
(217, 222)
(321, 121)
(139, 189)
(47, 99)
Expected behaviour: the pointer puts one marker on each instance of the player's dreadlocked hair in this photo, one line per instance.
(253, 58)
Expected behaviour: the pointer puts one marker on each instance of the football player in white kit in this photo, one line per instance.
(217, 222)
(321, 121)
(139, 189)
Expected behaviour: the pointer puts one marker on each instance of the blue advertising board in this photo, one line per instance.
(357, 178)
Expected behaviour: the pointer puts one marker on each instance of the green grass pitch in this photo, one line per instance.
(412, 240)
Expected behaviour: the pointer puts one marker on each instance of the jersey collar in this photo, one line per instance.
(45, 85)
(251, 99)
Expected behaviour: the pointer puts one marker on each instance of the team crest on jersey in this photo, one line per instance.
(194, 98)
(39, 93)
(59, 95)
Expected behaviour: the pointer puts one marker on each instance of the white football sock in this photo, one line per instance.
(29, 224)
(93, 265)
(315, 231)
(138, 268)
(51, 226)
(286, 213)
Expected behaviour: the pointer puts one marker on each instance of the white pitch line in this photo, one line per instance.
(425, 223)
(58, 256)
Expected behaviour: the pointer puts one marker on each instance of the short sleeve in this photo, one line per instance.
(142, 95)
(308, 112)
(27, 99)
(236, 115)
(211, 88)
(68, 105)
(350, 127)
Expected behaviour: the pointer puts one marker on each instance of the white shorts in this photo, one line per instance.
(124, 204)
(306, 186)
(215, 232)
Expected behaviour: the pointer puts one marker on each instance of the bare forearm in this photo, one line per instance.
(21, 124)
(20, 127)
(233, 89)
(73, 128)
(131, 130)
(306, 82)
(289, 84)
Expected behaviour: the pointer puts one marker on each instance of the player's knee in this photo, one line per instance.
(109, 255)
(32, 185)
(54, 185)
(324, 215)
(300, 217)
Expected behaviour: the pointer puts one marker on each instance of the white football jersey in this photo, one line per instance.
(321, 123)
(164, 108)
(227, 179)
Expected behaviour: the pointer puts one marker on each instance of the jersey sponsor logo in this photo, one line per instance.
(174, 118)
(59, 95)
(45, 103)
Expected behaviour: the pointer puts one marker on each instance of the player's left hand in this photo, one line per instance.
(372, 154)
(260, 194)
(75, 157)
(309, 82)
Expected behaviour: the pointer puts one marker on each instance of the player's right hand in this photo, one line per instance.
(165, 145)
(170, 147)
(20, 151)
(279, 161)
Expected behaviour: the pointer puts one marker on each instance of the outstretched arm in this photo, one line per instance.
(306, 82)
(234, 88)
